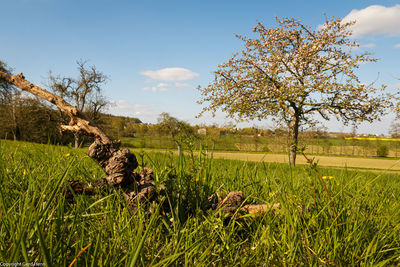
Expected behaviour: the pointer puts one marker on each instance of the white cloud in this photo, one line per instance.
(161, 85)
(363, 46)
(375, 20)
(170, 74)
(158, 87)
(370, 45)
(131, 109)
(177, 84)
(166, 86)
(397, 46)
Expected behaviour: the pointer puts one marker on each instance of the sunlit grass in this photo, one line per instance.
(361, 226)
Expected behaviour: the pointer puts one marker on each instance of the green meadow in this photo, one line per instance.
(326, 216)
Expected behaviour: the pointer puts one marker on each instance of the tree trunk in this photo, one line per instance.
(213, 148)
(179, 147)
(293, 138)
(15, 126)
(15, 130)
(76, 139)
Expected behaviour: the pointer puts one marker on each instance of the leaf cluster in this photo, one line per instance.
(176, 128)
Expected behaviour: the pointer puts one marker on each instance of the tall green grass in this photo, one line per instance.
(360, 226)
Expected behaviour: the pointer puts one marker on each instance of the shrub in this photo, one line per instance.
(382, 151)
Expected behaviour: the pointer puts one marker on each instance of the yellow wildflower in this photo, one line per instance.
(327, 177)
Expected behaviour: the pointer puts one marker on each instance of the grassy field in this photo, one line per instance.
(357, 223)
(278, 144)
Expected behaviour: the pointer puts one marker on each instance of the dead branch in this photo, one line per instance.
(79, 122)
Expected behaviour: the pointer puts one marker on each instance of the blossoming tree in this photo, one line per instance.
(291, 73)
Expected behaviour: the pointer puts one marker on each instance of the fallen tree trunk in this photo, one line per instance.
(118, 164)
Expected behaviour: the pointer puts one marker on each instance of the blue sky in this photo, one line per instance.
(157, 52)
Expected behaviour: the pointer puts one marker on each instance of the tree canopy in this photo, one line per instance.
(291, 73)
(179, 130)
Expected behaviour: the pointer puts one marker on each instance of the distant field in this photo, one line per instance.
(362, 147)
(326, 161)
(373, 138)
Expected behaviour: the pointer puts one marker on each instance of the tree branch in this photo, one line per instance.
(79, 122)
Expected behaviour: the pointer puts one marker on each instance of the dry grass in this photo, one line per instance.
(387, 164)
(331, 161)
